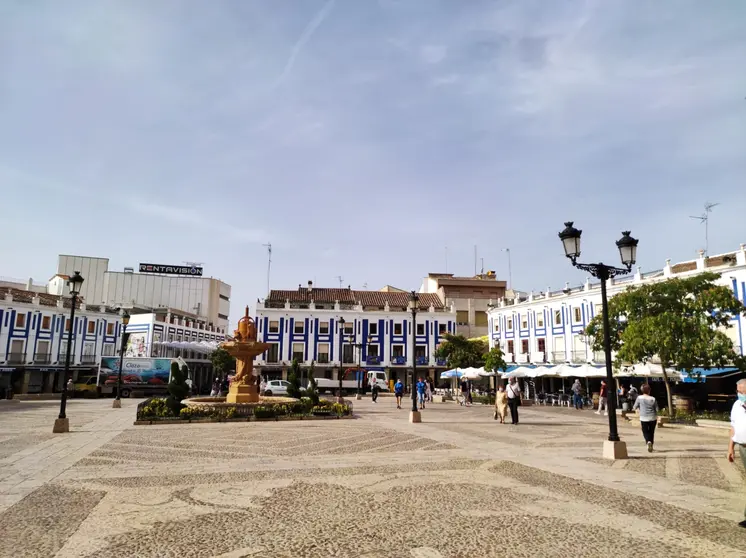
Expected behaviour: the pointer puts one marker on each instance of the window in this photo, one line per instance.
(324, 327)
(442, 328)
(420, 329)
(324, 351)
(509, 324)
(397, 351)
(576, 314)
(91, 327)
(420, 351)
(89, 349)
(63, 347)
(347, 354)
(274, 326)
(540, 319)
(462, 317)
(300, 326)
(170, 337)
(67, 324)
(298, 351)
(510, 347)
(42, 348)
(480, 318)
(273, 352)
(541, 344)
(20, 320)
(223, 316)
(348, 328)
(599, 309)
(108, 349)
(373, 328)
(497, 325)
(524, 321)
(524, 346)
(372, 350)
(46, 322)
(558, 317)
(397, 329)
(109, 329)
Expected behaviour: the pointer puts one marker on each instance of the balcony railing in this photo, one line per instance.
(441, 362)
(349, 360)
(399, 360)
(299, 357)
(373, 360)
(273, 359)
(538, 357)
(578, 356)
(42, 358)
(509, 357)
(16, 358)
(422, 361)
(88, 359)
(559, 356)
(521, 358)
(599, 356)
(323, 358)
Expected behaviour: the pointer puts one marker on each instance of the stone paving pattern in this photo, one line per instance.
(459, 484)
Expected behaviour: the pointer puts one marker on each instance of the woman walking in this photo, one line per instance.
(648, 407)
(501, 404)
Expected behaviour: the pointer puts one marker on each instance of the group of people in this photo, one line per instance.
(423, 387)
(508, 398)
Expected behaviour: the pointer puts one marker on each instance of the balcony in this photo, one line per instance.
(538, 357)
(422, 361)
(599, 356)
(441, 362)
(298, 356)
(373, 360)
(273, 359)
(578, 357)
(559, 356)
(88, 359)
(509, 357)
(42, 358)
(521, 358)
(323, 358)
(16, 358)
(399, 360)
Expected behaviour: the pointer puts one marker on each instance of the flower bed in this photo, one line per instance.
(156, 410)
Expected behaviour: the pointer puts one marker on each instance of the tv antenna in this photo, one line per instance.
(705, 218)
(269, 262)
(340, 279)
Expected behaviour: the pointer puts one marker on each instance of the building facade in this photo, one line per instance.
(205, 297)
(34, 329)
(548, 328)
(470, 296)
(305, 325)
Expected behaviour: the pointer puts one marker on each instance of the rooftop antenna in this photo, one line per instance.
(446, 258)
(510, 270)
(340, 279)
(705, 218)
(365, 286)
(475, 259)
(482, 271)
(269, 263)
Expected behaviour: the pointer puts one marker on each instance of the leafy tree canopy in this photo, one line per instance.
(494, 360)
(294, 380)
(461, 352)
(222, 361)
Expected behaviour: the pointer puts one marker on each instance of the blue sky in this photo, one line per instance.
(361, 137)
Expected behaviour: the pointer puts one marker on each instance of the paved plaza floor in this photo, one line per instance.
(459, 484)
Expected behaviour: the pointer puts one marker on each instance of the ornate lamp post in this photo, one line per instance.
(414, 414)
(340, 399)
(359, 347)
(117, 403)
(62, 423)
(614, 448)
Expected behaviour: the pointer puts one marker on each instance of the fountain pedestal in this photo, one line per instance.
(244, 346)
(242, 394)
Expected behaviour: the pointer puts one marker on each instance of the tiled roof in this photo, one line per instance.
(682, 267)
(348, 296)
(45, 299)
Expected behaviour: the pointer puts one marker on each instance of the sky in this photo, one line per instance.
(368, 139)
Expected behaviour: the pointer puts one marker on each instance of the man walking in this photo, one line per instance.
(399, 392)
(374, 392)
(421, 393)
(603, 402)
(514, 399)
(738, 429)
(577, 391)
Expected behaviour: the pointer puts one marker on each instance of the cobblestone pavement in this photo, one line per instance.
(459, 484)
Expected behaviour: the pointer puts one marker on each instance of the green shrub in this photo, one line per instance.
(339, 409)
(177, 388)
(313, 388)
(280, 410)
(157, 408)
(294, 380)
(321, 410)
(264, 412)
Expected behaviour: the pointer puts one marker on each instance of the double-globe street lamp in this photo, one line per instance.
(359, 347)
(62, 423)
(117, 403)
(614, 448)
(414, 415)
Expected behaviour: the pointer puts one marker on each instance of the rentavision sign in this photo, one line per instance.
(171, 269)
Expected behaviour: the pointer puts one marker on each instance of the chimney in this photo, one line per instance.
(310, 286)
(29, 284)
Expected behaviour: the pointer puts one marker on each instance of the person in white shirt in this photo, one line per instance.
(738, 429)
(514, 398)
(648, 408)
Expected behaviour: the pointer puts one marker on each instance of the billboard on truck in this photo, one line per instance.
(137, 373)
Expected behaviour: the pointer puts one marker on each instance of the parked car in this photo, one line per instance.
(276, 387)
(86, 384)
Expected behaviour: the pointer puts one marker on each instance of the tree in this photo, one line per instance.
(294, 380)
(461, 352)
(680, 321)
(494, 360)
(312, 391)
(222, 362)
(177, 387)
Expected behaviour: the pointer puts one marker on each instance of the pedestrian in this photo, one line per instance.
(421, 393)
(514, 399)
(648, 407)
(215, 388)
(603, 401)
(399, 392)
(465, 392)
(738, 429)
(428, 391)
(501, 404)
(70, 388)
(577, 397)
(374, 392)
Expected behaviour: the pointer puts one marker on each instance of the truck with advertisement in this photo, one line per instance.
(350, 379)
(149, 376)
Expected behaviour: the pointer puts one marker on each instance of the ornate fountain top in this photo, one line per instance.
(246, 329)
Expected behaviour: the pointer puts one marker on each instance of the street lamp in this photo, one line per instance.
(614, 448)
(62, 423)
(340, 399)
(359, 347)
(414, 415)
(117, 403)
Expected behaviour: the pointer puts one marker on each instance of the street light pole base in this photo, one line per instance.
(415, 416)
(116, 404)
(358, 397)
(615, 450)
(61, 426)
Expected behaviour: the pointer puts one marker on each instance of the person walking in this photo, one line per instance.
(399, 392)
(428, 390)
(501, 404)
(374, 392)
(465, 392)
(603, 401)
(648, 407)
(514, 399)
(421, 392)
(577, 397)
(738, 429)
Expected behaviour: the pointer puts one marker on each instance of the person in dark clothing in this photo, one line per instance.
(374, 392)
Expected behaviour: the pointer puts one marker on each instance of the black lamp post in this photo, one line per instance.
(340, 399)
(628, 252)
(117, 403)
(62, 424)
(414, 415)
(359, 347)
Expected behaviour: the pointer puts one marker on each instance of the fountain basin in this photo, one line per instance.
(221, 403)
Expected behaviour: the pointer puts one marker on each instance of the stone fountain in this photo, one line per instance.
(244, 346)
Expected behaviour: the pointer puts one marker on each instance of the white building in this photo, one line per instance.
(304, 324)
(548, 328)
(205, 297)
(34, 329)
